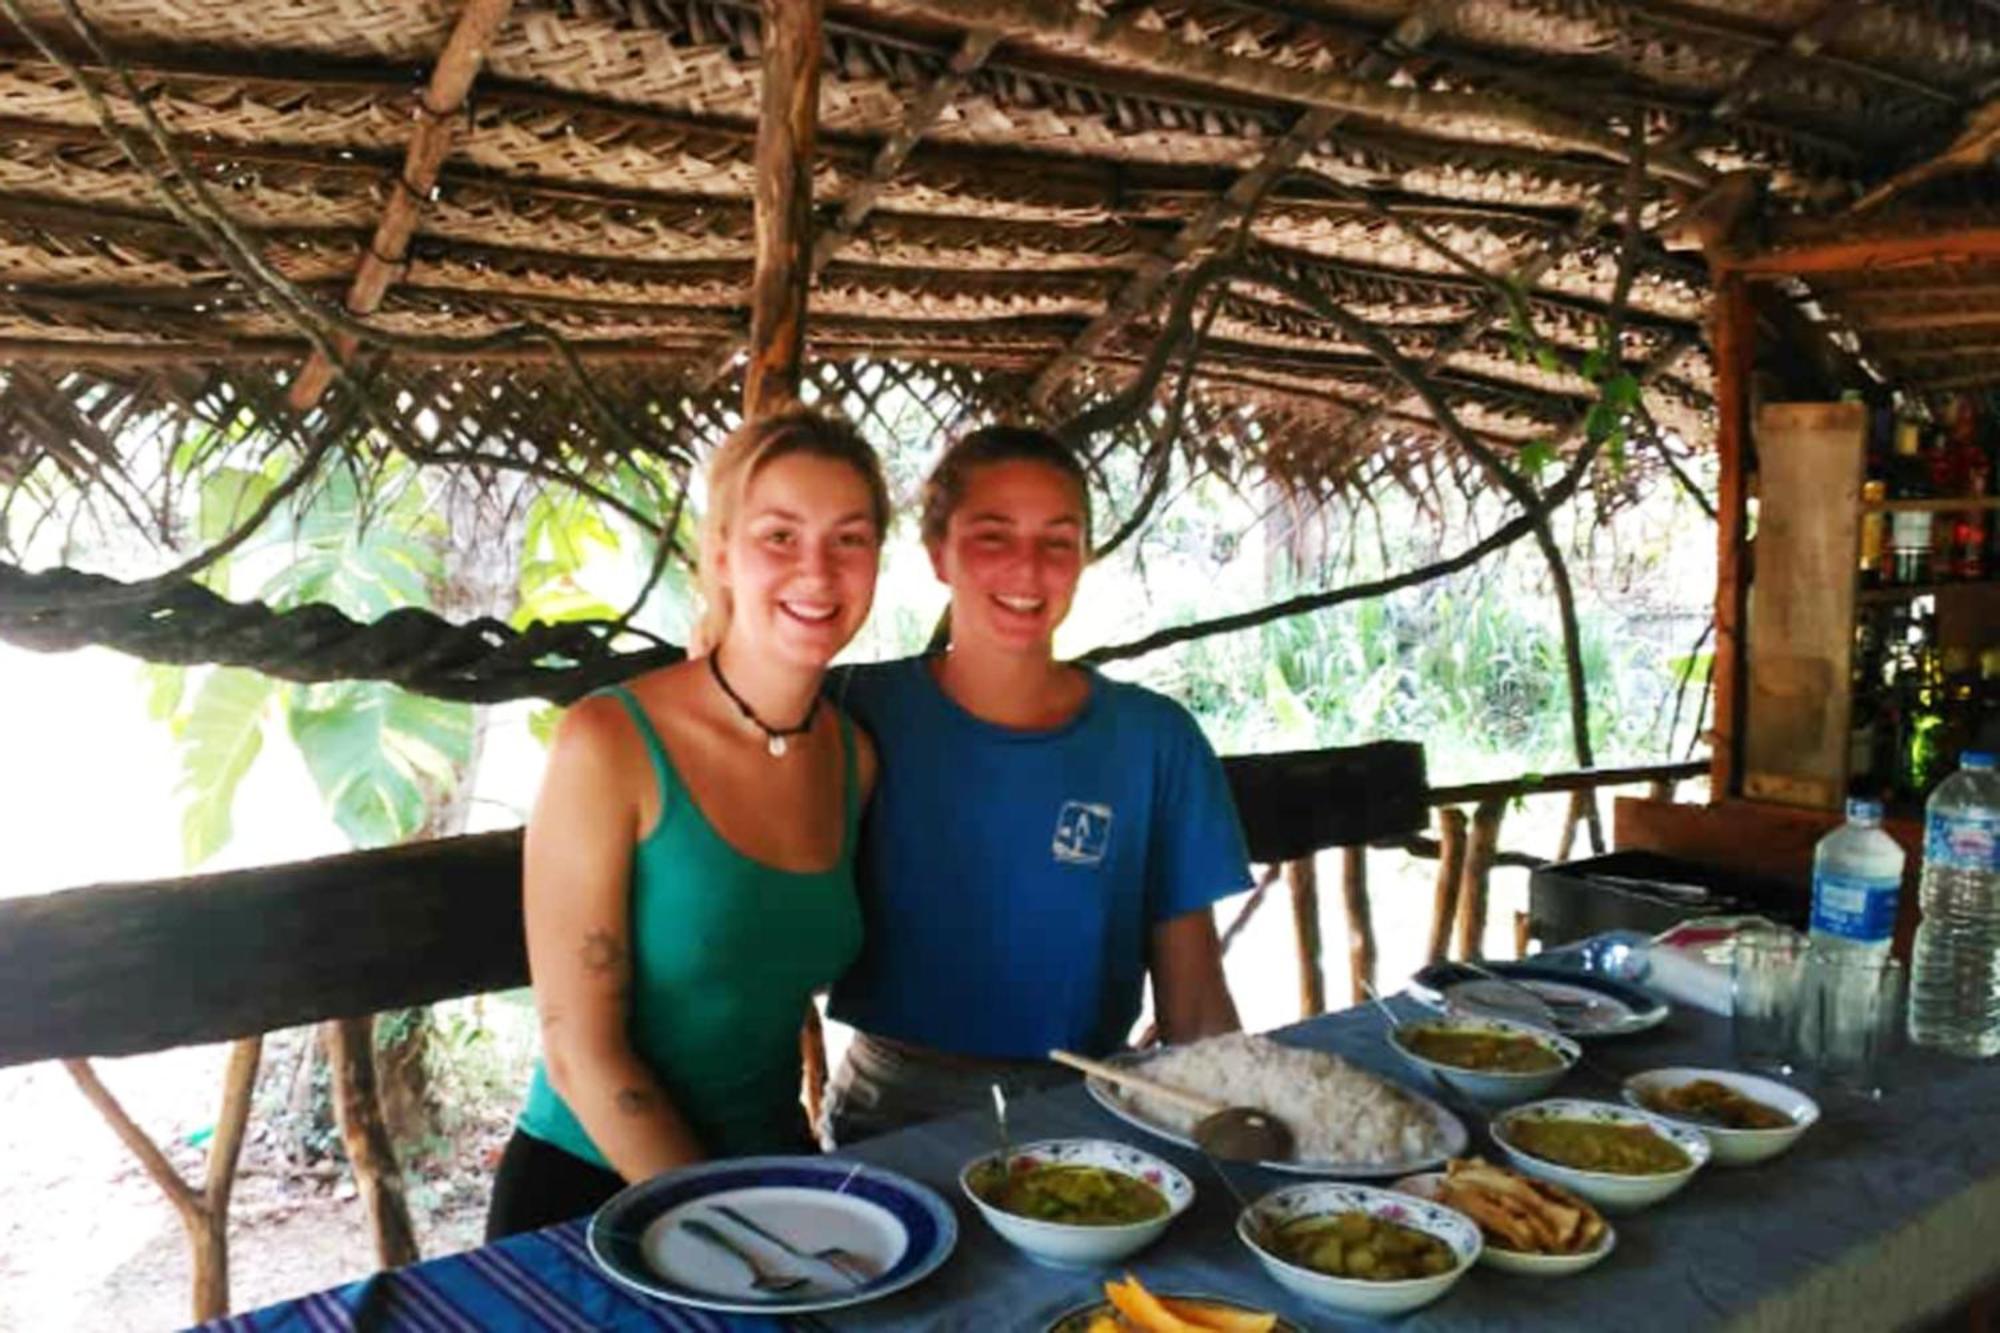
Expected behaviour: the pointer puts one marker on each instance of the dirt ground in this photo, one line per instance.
(88, 1244)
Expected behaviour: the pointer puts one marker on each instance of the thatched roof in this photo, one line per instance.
(1067, 161)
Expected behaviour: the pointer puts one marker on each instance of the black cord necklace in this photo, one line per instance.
(774, 737)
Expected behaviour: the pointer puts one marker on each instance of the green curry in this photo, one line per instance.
(1357, 1245)
(1615, 1149)
(1083, 1196)
(1500, 1052)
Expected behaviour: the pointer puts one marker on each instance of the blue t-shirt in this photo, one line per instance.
(1010, 880)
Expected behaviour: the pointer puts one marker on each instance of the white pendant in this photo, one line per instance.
(777, 747)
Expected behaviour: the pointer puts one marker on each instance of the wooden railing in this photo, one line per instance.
(1467, 850)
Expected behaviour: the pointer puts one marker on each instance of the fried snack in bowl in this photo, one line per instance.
(1531, 1226)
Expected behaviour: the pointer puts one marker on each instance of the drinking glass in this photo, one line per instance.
(1765, 977)
(1853, 1019)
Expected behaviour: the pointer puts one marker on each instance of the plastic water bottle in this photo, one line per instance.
(1955, 969)
(1857, 873)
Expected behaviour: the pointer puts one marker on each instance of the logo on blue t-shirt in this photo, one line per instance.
(1083, 833)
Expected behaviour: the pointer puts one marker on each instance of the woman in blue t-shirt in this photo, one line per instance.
(1042, 840)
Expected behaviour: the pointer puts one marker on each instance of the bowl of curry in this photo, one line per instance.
(1617, 1157)
(1077, 1203)
(1746, 1119)
(1491, 1060)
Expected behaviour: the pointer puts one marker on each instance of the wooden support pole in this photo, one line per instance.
(1734, 342)
(1451, 871)
(1303, 878)
(1661, 790)
(350, 1050)
(1360, 923)
(1480, 848)
(1566, 844)
(788, 119)
(437, 116)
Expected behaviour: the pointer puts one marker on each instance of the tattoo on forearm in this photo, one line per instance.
(634, 1101)
(602, 953)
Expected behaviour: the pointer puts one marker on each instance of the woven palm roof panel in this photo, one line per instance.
(599, 178)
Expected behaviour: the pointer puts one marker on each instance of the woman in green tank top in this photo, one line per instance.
(688, 868)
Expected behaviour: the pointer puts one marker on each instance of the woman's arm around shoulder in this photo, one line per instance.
(575, 871)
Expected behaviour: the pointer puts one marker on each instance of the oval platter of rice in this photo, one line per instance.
(1347, 1121)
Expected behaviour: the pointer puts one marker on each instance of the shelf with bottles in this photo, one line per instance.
(1905, 592)
(1953, 505)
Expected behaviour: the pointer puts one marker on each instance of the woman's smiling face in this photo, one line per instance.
(801, 557)
(1011, 553)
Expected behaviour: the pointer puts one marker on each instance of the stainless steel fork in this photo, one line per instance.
(840, 1261)
(762, 1278)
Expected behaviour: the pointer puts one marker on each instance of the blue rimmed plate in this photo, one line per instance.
(895, 1229)
(1588, 1004)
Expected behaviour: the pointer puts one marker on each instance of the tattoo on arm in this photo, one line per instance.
(602, 953)
(635, 1101)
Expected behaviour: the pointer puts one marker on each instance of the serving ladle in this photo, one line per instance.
(1231, 1133)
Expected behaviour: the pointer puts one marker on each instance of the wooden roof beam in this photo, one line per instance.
(918, 117)
(1066, 25)
(437, 114)
(1976, 147)
(787, 123)
(1923, 321)
(1801, 250)
(1242, 194)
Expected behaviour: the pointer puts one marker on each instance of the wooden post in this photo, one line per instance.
(1661, 790)
(1360, 926)
(788, 116)
(1451, 868)
(350, 1050)
(1734, 340)
(1479, 853)
(1566, 844)
(1303, 878)
(204, 1214)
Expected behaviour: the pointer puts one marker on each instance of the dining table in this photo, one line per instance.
(1885, 1214)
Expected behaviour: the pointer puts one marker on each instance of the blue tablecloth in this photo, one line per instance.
(1885, 1213)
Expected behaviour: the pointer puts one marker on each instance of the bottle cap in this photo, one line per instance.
(1977, 761)
(1864, 810)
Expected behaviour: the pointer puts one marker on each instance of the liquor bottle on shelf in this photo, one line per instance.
(1873, 569)
(1910, 530)
(1964, 471)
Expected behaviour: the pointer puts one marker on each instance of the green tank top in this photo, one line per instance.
(726, 952)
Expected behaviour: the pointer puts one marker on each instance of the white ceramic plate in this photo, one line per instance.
(1733, 1147)
(896, 1229)
(1451, 1134)
(1428, 1186)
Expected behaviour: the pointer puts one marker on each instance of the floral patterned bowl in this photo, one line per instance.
(1611, 1192)
(1358, 1295)
(1067, 1244)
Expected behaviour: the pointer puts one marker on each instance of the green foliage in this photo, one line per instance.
(379, 755)
(221, 735)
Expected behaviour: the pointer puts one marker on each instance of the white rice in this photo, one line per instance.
(1337, 1112)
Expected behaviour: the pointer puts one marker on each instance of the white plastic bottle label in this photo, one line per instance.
(1965, 840)
(1854, 907)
